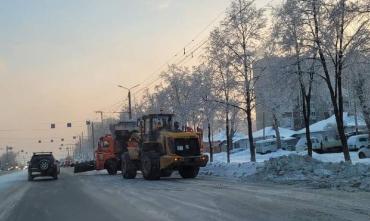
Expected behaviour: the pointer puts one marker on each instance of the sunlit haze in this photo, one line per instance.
(61, 60)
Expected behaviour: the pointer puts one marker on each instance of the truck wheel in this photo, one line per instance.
(188, 172)
(112, 167)
(361, 155)
(150, 166)
(166, 173)
(128, 167)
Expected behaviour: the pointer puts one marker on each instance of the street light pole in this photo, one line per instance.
(129, 99)
(129, 105)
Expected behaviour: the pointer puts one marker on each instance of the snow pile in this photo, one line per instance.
(232, 170)
(295, 169)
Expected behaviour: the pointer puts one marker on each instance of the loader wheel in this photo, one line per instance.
(112, 167)
(128, 167)
(150, 166)
(166, 173)
(188, 172)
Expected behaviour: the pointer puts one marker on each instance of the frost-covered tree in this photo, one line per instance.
(223, 75)
(358, 74)
(339, 29)
(290, 37)
(243, 28)
(274, 89)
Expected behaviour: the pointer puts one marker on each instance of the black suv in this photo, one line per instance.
(43, 164)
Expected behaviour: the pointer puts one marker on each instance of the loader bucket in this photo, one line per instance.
(84, 166)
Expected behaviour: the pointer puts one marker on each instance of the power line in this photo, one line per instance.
(151, 80)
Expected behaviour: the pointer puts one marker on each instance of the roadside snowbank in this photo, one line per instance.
(8, 179)
(294, 169)
(244, 156)
(287, 167)
(232, 170)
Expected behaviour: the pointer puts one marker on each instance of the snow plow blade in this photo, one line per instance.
(84, 167)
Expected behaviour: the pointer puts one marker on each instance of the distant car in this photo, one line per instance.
(43, 164)
(358, 141)
(364, 152)
(266, 146)
(302, 144)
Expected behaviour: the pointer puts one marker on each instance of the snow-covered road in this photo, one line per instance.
(98, 196)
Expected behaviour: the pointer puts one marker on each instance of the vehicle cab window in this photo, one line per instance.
(105, 144)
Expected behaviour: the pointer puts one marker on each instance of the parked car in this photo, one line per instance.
(358, 141)
(364, 152)
(288, 143)
(42, 164)
(266, 146)
(302, 144)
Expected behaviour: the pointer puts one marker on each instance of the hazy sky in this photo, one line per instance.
(60, 60)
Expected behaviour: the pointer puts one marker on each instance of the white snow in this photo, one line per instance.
(221, 136)
(240, 165)
(270, 132)
(324, 125)
(7, 180)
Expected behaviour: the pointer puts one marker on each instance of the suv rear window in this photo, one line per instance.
(36, 158)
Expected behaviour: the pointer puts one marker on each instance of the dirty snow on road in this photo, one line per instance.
(12, 189)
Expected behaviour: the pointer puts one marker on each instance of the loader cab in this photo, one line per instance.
(151, 125)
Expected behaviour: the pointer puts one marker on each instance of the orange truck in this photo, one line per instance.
(110, 148)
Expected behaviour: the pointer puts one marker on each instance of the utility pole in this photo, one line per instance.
(93, 139)
(129, 105)
(263, 124)
(356, 120)
(101, 118)
(7, 157)
(129, 99)
(80, 150)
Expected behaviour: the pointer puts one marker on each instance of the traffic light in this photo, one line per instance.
(74, 137)
(88, 122)
(52, 126)
(39, 141)
(51, 141)
(69, 124)
(62, 139)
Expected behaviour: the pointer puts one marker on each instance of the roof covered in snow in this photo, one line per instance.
(221, 136)
(324, 125)
(270, 132)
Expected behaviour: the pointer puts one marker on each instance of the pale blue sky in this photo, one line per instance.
(60, 60)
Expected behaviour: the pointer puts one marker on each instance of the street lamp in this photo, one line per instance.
(129, 98)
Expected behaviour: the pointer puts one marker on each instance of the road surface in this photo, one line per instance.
(98, 196)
